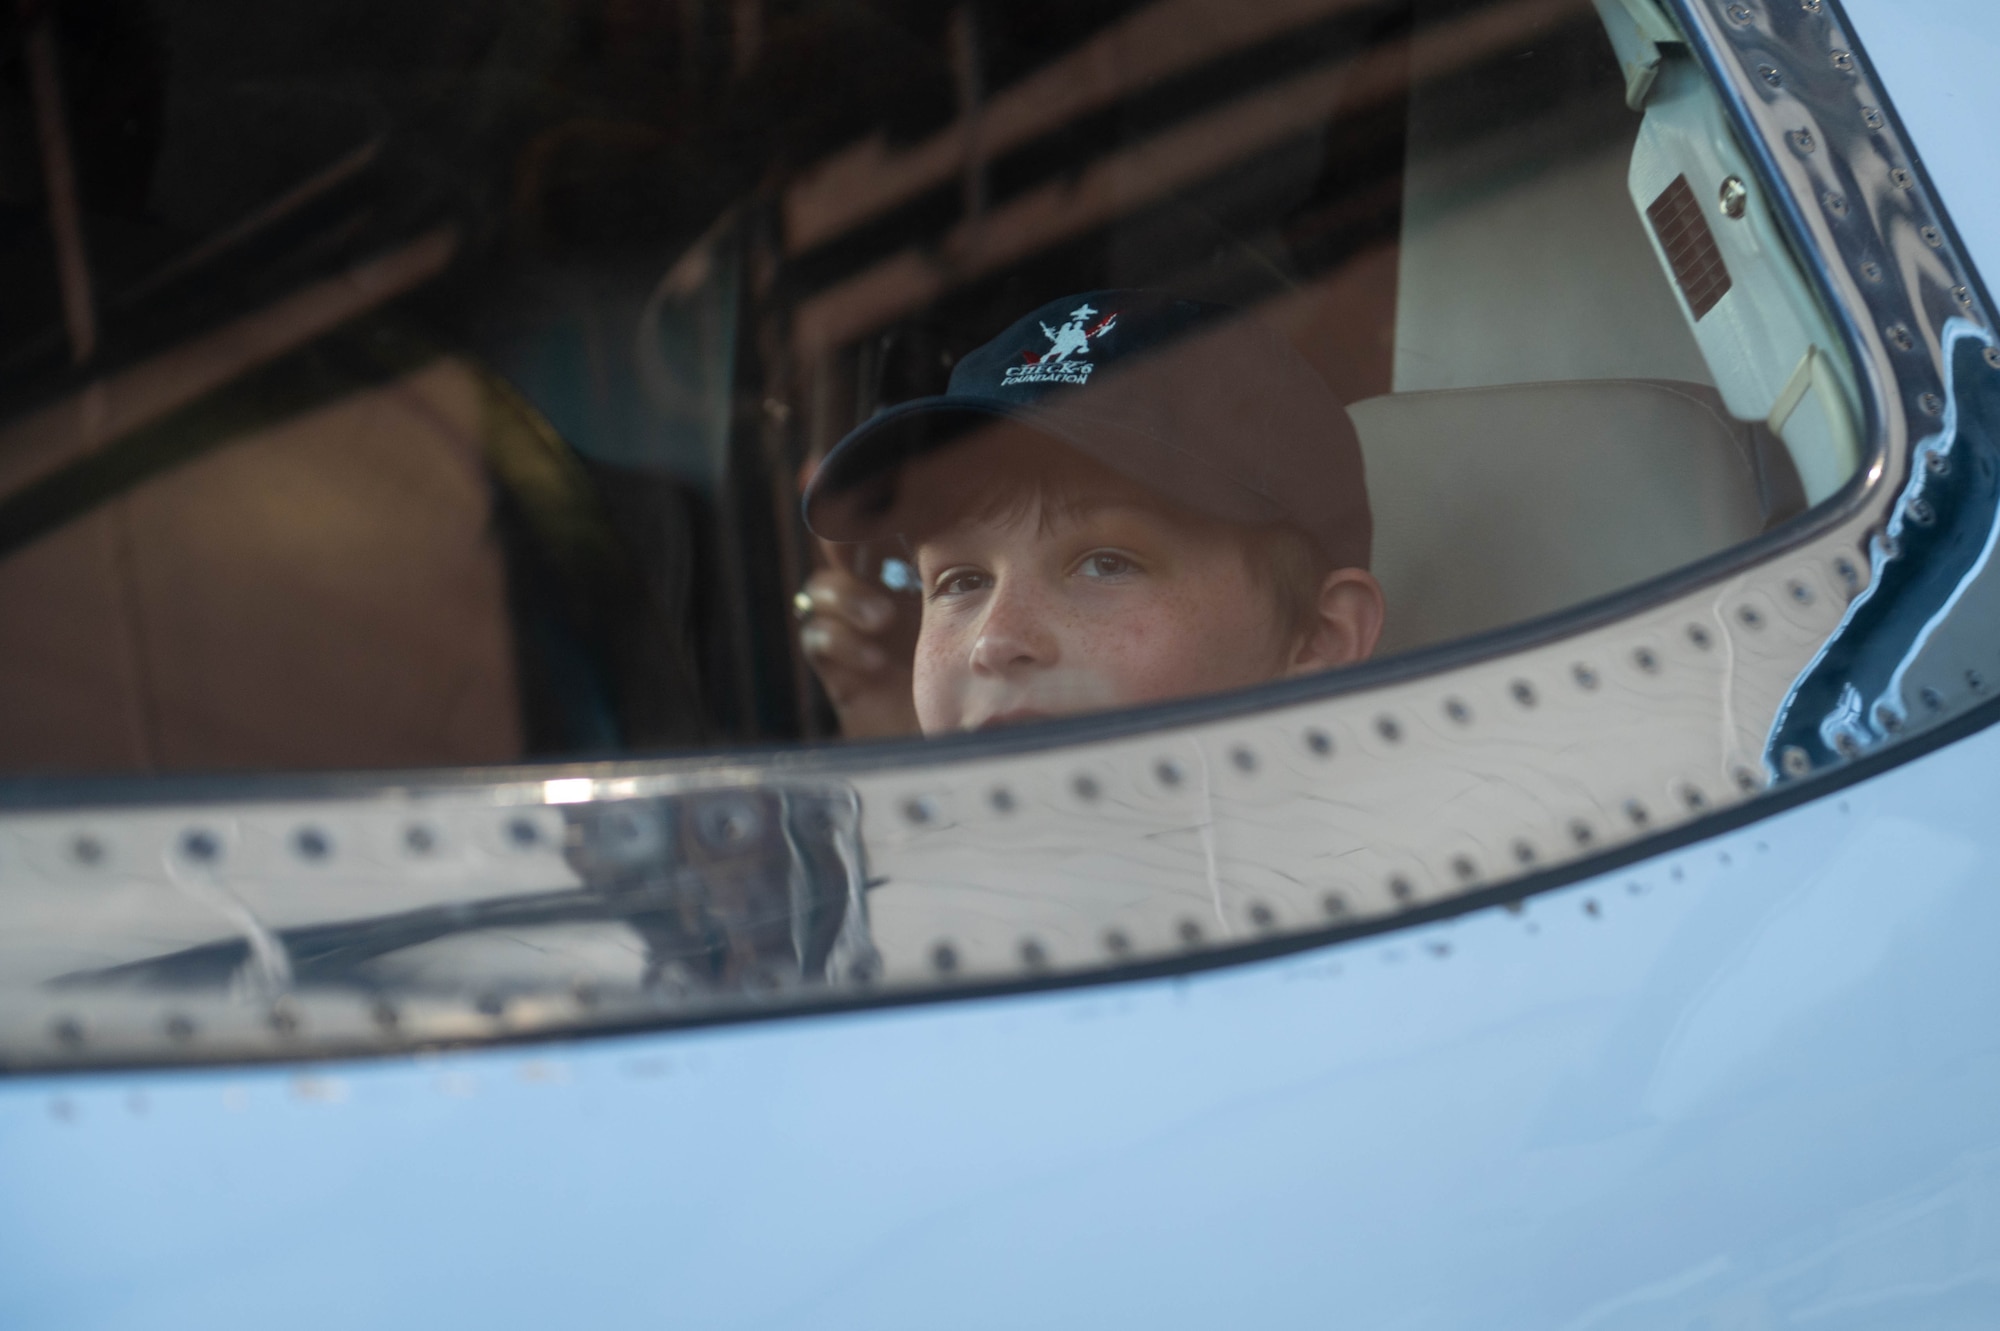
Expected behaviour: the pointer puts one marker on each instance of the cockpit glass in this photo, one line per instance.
(442, 383)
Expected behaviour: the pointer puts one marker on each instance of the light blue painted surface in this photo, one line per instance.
(1760, 1085)
(1940, 61)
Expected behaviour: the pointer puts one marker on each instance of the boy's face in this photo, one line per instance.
(1107, 599)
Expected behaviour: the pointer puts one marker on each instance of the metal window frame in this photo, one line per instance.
(1390, 795)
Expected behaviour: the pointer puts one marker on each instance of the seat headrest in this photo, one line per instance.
(1498, 505)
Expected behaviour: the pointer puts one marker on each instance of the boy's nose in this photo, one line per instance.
(1014, 634)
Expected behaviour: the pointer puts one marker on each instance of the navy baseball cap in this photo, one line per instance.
(1193, 400)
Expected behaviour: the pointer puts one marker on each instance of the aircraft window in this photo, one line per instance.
(439, 383)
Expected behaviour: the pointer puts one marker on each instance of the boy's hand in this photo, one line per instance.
(860, 642)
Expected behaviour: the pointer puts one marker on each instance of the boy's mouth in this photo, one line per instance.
(1013, 716)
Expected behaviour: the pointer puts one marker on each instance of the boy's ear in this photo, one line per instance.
(1345, 626)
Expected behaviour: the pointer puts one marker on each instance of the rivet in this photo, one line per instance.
(1585, 677)
(1734, 197)
(944, 959)
(1794, 761)
(1579, 832)
(1750, 617)
(1919, 511)
(1245, 760)
(1992, 356)
(388, 1018)
(1692, 797)
(1387, 728)
(1167, 772)
(1746, 780)
(68, 1032)
(1930, 404)
(1637, 813)
(919, 810)
(1847, 745)
(1699, 636)
(1888, 717)
(419, 840)
(1901, 178)
(1464, 867)
(1457, 711)
(1932, 699)
(1871, 271)
(1117, 942)
(1002, 799)
(1523, 853)
(1834, 203)
(1319, 743)
(523, 832)
(1936, 463)
(1399, 888)
(1849, 575)
(1333, 904)
(1899, 335)
(1770, 75)
(1932, 236)
(1261, 916)
(1034, 956)
(201, 847)
(489, 1005)
(1975, 681)
(1645, 659)
(1802, 140)
(87, 850)
(1086, 787)
(1963, 295)
(1843, 61)
(1871, 117)
(285, 1017)
(1799, 592)
(1523, 691)
(179, 1028)
(1189, 930)
(311, 844)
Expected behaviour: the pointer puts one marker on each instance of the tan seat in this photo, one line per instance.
(1498, 505)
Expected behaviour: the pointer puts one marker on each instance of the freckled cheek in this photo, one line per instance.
(938, 671)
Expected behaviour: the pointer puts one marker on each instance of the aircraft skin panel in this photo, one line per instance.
(1751, 1080)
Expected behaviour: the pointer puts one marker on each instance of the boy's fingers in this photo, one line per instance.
(838, 594)
(831, 645)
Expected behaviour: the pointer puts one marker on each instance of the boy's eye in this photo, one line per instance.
(1105, 564)
(957, 582)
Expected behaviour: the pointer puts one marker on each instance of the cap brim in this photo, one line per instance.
(852, 493)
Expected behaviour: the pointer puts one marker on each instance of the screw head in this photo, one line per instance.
(1902, 179)
(1740, 14)
(1899, 336)
(1834, 203)
(1992, 356)
(1770, 75)
(1843, 61)
(1930, 404)
(1871, 271)
(1733, 197)
(1932, 236)
(1871, 117)
(1803, 141)
(1963, 295)
(1794, 761)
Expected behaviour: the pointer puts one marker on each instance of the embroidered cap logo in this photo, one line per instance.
(1066, 361)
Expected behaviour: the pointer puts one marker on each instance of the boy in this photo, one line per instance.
(1123, 498)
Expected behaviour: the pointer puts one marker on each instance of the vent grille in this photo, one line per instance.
(1691, 249)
